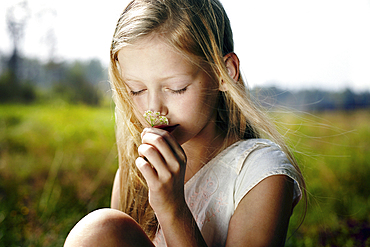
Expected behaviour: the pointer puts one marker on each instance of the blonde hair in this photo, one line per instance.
(200, 30)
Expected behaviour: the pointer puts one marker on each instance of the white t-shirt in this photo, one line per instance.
(215, 191)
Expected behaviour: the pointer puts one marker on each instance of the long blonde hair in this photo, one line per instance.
(200, 30)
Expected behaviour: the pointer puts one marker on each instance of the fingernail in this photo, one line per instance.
(143, 133)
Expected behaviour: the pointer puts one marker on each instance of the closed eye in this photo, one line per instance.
(137, 93)
(180, 91)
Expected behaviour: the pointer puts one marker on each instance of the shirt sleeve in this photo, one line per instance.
(262, 160)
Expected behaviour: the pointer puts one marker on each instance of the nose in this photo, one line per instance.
(156, 103)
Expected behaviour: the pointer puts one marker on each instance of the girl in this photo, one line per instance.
(206, 179)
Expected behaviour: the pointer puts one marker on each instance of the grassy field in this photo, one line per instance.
(57, 163)
(334, 152)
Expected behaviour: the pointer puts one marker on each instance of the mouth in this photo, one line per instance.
(168, 128)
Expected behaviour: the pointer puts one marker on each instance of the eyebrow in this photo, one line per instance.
(163, 79)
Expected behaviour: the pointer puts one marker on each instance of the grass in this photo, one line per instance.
(57, 163)
(334, 152)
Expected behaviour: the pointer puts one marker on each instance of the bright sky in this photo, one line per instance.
(292, 44)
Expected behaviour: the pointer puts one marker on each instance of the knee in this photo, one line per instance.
(103, 227)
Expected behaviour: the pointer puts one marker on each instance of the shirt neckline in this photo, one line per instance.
(217, 157)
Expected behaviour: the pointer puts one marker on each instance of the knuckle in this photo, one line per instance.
(141, 163)
(151, 150)
(146, 150)
(158, 140)
(176, 169)
(166, 177)
(138, 161)
(141, 148)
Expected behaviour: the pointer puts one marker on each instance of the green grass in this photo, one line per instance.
(334, 152)
(57, 163)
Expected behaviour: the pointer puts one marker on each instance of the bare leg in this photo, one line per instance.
(107, 227)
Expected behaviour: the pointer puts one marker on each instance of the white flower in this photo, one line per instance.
(155, 118)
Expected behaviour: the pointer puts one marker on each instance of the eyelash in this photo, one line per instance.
(180, 91)
(136, 93)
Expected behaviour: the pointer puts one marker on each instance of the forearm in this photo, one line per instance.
(163, 168)
(180, 229)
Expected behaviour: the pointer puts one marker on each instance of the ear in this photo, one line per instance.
(232, 65)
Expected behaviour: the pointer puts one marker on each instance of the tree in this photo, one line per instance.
(11, 88)
(16, 19)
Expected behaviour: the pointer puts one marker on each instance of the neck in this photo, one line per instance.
(200, 151)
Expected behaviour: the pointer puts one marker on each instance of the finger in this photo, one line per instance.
(173, 156)
(154, 158)
(170, 150)
(146, 169)
(165, 134)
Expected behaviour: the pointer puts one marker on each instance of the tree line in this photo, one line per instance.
(311, 100)
(27, 80)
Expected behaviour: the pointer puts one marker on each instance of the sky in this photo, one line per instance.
(292, 44)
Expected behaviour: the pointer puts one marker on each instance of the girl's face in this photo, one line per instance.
(164, 81)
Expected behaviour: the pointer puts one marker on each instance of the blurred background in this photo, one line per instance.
(306, 62)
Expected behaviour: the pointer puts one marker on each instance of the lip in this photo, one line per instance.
(168, 128)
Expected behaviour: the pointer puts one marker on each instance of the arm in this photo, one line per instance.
(115, 192)
(262, 216)
(163, 164)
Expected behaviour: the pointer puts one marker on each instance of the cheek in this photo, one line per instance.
(139, 110)
(139, 116)
(140, 103)
(199, 107)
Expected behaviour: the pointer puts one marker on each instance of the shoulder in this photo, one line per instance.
(263, 220)
(250, 155)
(249, 152)
(265, 192)
(262, 154)
(261, 159)
(234, 155)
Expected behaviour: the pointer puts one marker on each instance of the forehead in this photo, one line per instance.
(153, 58)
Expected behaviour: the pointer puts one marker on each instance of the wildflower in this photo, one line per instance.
(154, 118)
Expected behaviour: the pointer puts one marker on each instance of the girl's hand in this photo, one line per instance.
(162, 162)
